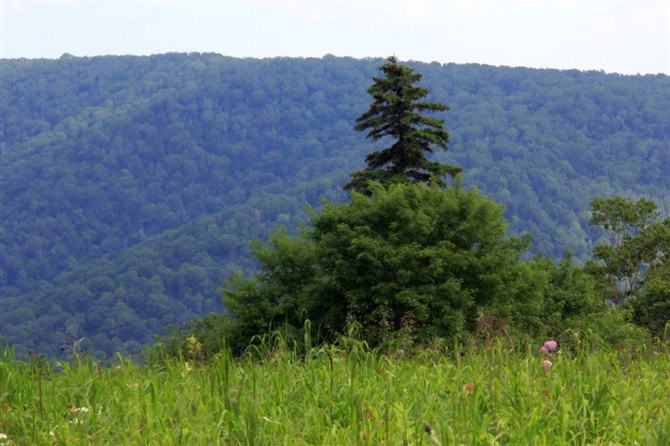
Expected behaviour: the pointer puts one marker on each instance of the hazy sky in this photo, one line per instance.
(616, 36)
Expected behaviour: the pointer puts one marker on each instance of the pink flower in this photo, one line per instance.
(654, 353)
(544, 350)
(118, 368)
(550, 345)
(546, 364)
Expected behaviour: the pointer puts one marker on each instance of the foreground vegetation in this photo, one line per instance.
(345, 393)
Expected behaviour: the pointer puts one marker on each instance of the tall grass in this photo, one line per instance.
(342, 394)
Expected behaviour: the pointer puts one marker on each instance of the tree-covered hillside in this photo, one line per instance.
(130, 186)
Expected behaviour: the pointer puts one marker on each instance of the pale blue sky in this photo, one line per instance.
(615, 36)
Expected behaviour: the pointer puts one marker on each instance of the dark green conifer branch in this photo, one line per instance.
(396, 112)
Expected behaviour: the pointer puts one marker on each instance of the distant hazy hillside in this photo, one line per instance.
(130, 186)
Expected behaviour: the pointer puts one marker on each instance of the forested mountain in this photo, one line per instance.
(130, 186)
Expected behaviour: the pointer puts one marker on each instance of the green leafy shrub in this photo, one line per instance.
(652, 307)
(411, 259)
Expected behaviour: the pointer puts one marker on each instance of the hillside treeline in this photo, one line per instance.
(130, 186)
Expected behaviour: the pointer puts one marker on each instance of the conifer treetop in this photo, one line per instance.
(396, 112)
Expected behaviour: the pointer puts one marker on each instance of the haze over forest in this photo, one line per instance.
(131, 186)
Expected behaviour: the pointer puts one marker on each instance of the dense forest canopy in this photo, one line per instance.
(130, 186)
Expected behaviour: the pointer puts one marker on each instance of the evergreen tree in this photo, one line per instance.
(396, 112)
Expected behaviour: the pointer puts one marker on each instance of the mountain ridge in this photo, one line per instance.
(100, 154)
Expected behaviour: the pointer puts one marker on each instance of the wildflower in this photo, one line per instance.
(654, 353)
(544, 350)
(118, 368)
(3, 436)
(369, 415)
(562, 388)
(550, 346)
(546, 364)
(80, 410)
(469, 387)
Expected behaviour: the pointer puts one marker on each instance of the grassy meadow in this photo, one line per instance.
(345, 394)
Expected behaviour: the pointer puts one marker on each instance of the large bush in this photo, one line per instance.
(414, 257)
(411, 257)
(652, 307)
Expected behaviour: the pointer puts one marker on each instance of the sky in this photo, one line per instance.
(628, 37)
